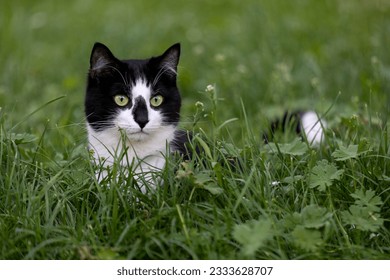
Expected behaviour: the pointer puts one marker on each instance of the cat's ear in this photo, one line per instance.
(101, 57)
(170, 59)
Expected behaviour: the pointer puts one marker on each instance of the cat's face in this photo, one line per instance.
(138, 97)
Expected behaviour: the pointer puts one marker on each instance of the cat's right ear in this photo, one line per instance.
(101, 57)
(170, 59)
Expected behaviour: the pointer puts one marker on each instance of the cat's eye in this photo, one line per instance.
(156, 100)
(121, 100)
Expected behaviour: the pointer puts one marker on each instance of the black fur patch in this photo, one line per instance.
(288, 121)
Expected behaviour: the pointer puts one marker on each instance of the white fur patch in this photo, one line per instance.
(140, 88)
(146, 156)
(313, 127)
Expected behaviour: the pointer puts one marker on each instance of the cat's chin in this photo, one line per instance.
(138, 136)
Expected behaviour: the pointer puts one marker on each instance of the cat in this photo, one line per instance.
(132, 110)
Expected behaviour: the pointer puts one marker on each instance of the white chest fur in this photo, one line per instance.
(145, 155)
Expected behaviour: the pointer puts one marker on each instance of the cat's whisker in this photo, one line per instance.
(157, 78)
(119, 72)
(162, 70)
(79, 125)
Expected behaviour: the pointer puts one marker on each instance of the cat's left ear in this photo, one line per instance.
(170, 58)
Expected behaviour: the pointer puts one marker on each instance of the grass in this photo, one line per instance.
(240, 199)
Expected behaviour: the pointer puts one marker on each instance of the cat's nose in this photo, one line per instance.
(140, 112)
(142, 122)
(141, 117)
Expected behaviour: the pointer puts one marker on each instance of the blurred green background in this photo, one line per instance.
(272, 55)
(263, 57)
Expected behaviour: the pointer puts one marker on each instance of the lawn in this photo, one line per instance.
(243, 63)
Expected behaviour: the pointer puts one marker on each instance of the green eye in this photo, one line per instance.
(156, 100)
(121, 100)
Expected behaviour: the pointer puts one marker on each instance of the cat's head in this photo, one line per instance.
(138, 96)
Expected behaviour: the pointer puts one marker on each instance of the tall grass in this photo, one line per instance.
(238, 198)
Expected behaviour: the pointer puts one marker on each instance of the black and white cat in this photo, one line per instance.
(133, 109)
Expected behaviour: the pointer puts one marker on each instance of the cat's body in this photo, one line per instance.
(133, 109)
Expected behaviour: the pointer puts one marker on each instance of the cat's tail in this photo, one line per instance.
(308, 124)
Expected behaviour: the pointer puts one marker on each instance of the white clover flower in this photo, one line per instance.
(374, 60)
(220, 57)
(242, 69)
(199, 104)
(210, 88)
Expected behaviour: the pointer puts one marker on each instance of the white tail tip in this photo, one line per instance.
(313, 127)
